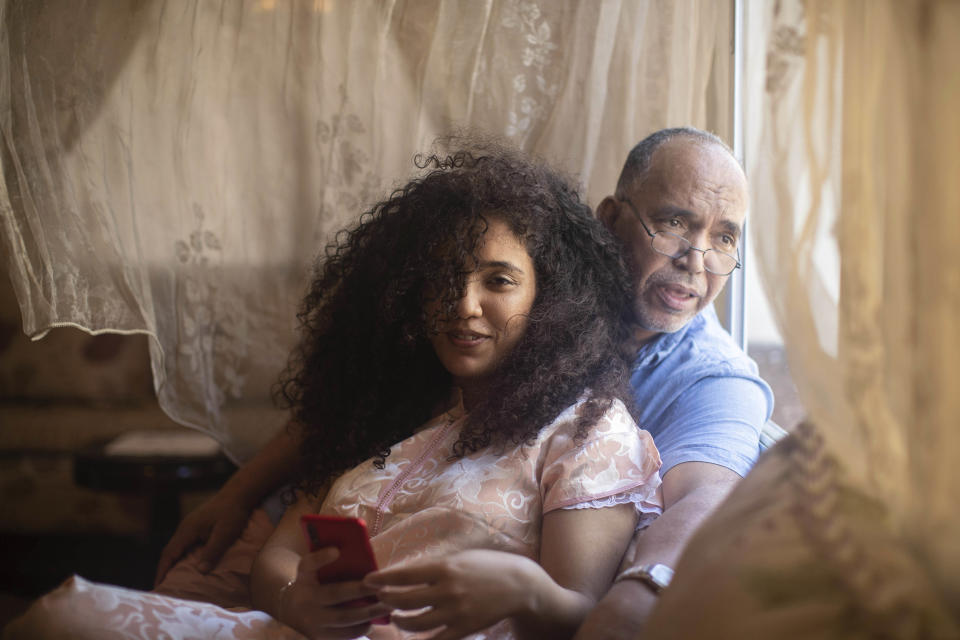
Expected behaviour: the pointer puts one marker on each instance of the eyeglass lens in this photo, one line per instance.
(674, 246)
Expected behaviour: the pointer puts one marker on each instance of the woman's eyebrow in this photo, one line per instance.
(500, 264)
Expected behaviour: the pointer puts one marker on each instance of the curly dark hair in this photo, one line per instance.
(364, 375)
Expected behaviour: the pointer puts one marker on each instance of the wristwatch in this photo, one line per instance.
(656, 576)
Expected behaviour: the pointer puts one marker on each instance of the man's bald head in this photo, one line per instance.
(641, 156)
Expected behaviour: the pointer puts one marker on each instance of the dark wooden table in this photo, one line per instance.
(160, 478)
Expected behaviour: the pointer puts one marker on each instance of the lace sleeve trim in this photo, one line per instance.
(639, 498)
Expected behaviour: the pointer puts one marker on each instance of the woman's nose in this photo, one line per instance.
(469, 304)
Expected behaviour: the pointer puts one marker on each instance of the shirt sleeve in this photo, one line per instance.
(716, 420)
(614, 458)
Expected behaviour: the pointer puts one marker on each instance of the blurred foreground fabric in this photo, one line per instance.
(850, 529)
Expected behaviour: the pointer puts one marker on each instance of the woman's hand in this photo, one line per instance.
(318, 610)
(465, 592)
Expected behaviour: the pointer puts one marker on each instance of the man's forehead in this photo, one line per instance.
(691, 176)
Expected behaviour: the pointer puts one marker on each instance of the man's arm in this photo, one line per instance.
(218, 522)
(691, 491)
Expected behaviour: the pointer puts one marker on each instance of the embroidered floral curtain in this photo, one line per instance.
(172, 167)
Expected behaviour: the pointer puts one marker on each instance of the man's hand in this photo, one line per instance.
(218, 522)
(215, 524)
(621, 614)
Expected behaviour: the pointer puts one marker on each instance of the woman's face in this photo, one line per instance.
(492, 315)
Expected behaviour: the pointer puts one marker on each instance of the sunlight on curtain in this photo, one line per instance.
(856, 215)
(172, 167)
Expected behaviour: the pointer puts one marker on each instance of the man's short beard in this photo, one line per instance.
(661, 322)
(644, 321)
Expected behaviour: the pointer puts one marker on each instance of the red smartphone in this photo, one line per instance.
(356, 560)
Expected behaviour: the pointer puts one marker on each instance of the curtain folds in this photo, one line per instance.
(856, 216)
(172, 167)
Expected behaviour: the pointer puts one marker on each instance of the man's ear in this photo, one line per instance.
(608, 211)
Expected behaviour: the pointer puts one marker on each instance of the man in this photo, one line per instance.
(679, 209)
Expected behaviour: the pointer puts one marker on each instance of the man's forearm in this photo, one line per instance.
(691, 492)
(663, 541)
(270, 468)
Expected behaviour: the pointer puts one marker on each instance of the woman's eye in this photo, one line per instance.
(501, 281)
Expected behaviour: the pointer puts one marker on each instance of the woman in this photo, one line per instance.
(474, 318)
(459, 386)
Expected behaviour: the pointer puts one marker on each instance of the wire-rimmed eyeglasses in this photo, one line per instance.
(674, 246)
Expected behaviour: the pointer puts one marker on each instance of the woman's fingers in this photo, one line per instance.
(344, 607)
(430, 619)
(344, 593)
(349, 616)
(329, 594)
(417, 573)
(412, 598)
(317, 559)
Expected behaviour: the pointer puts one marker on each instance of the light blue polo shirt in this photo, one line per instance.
(700, 397)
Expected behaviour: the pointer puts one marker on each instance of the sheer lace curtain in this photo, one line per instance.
(172, 167)
(854, 161)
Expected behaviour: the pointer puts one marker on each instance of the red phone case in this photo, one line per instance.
(356, 559)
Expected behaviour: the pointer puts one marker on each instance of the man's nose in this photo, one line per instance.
(468, 306)
(692, 260)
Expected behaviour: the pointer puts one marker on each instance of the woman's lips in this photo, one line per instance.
(465, 339)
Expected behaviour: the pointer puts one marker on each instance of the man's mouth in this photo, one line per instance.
(676, 297)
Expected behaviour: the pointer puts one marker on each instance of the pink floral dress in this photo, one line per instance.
(425, 503)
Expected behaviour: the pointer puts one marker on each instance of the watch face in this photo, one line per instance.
(660, 574)
(655, 576)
